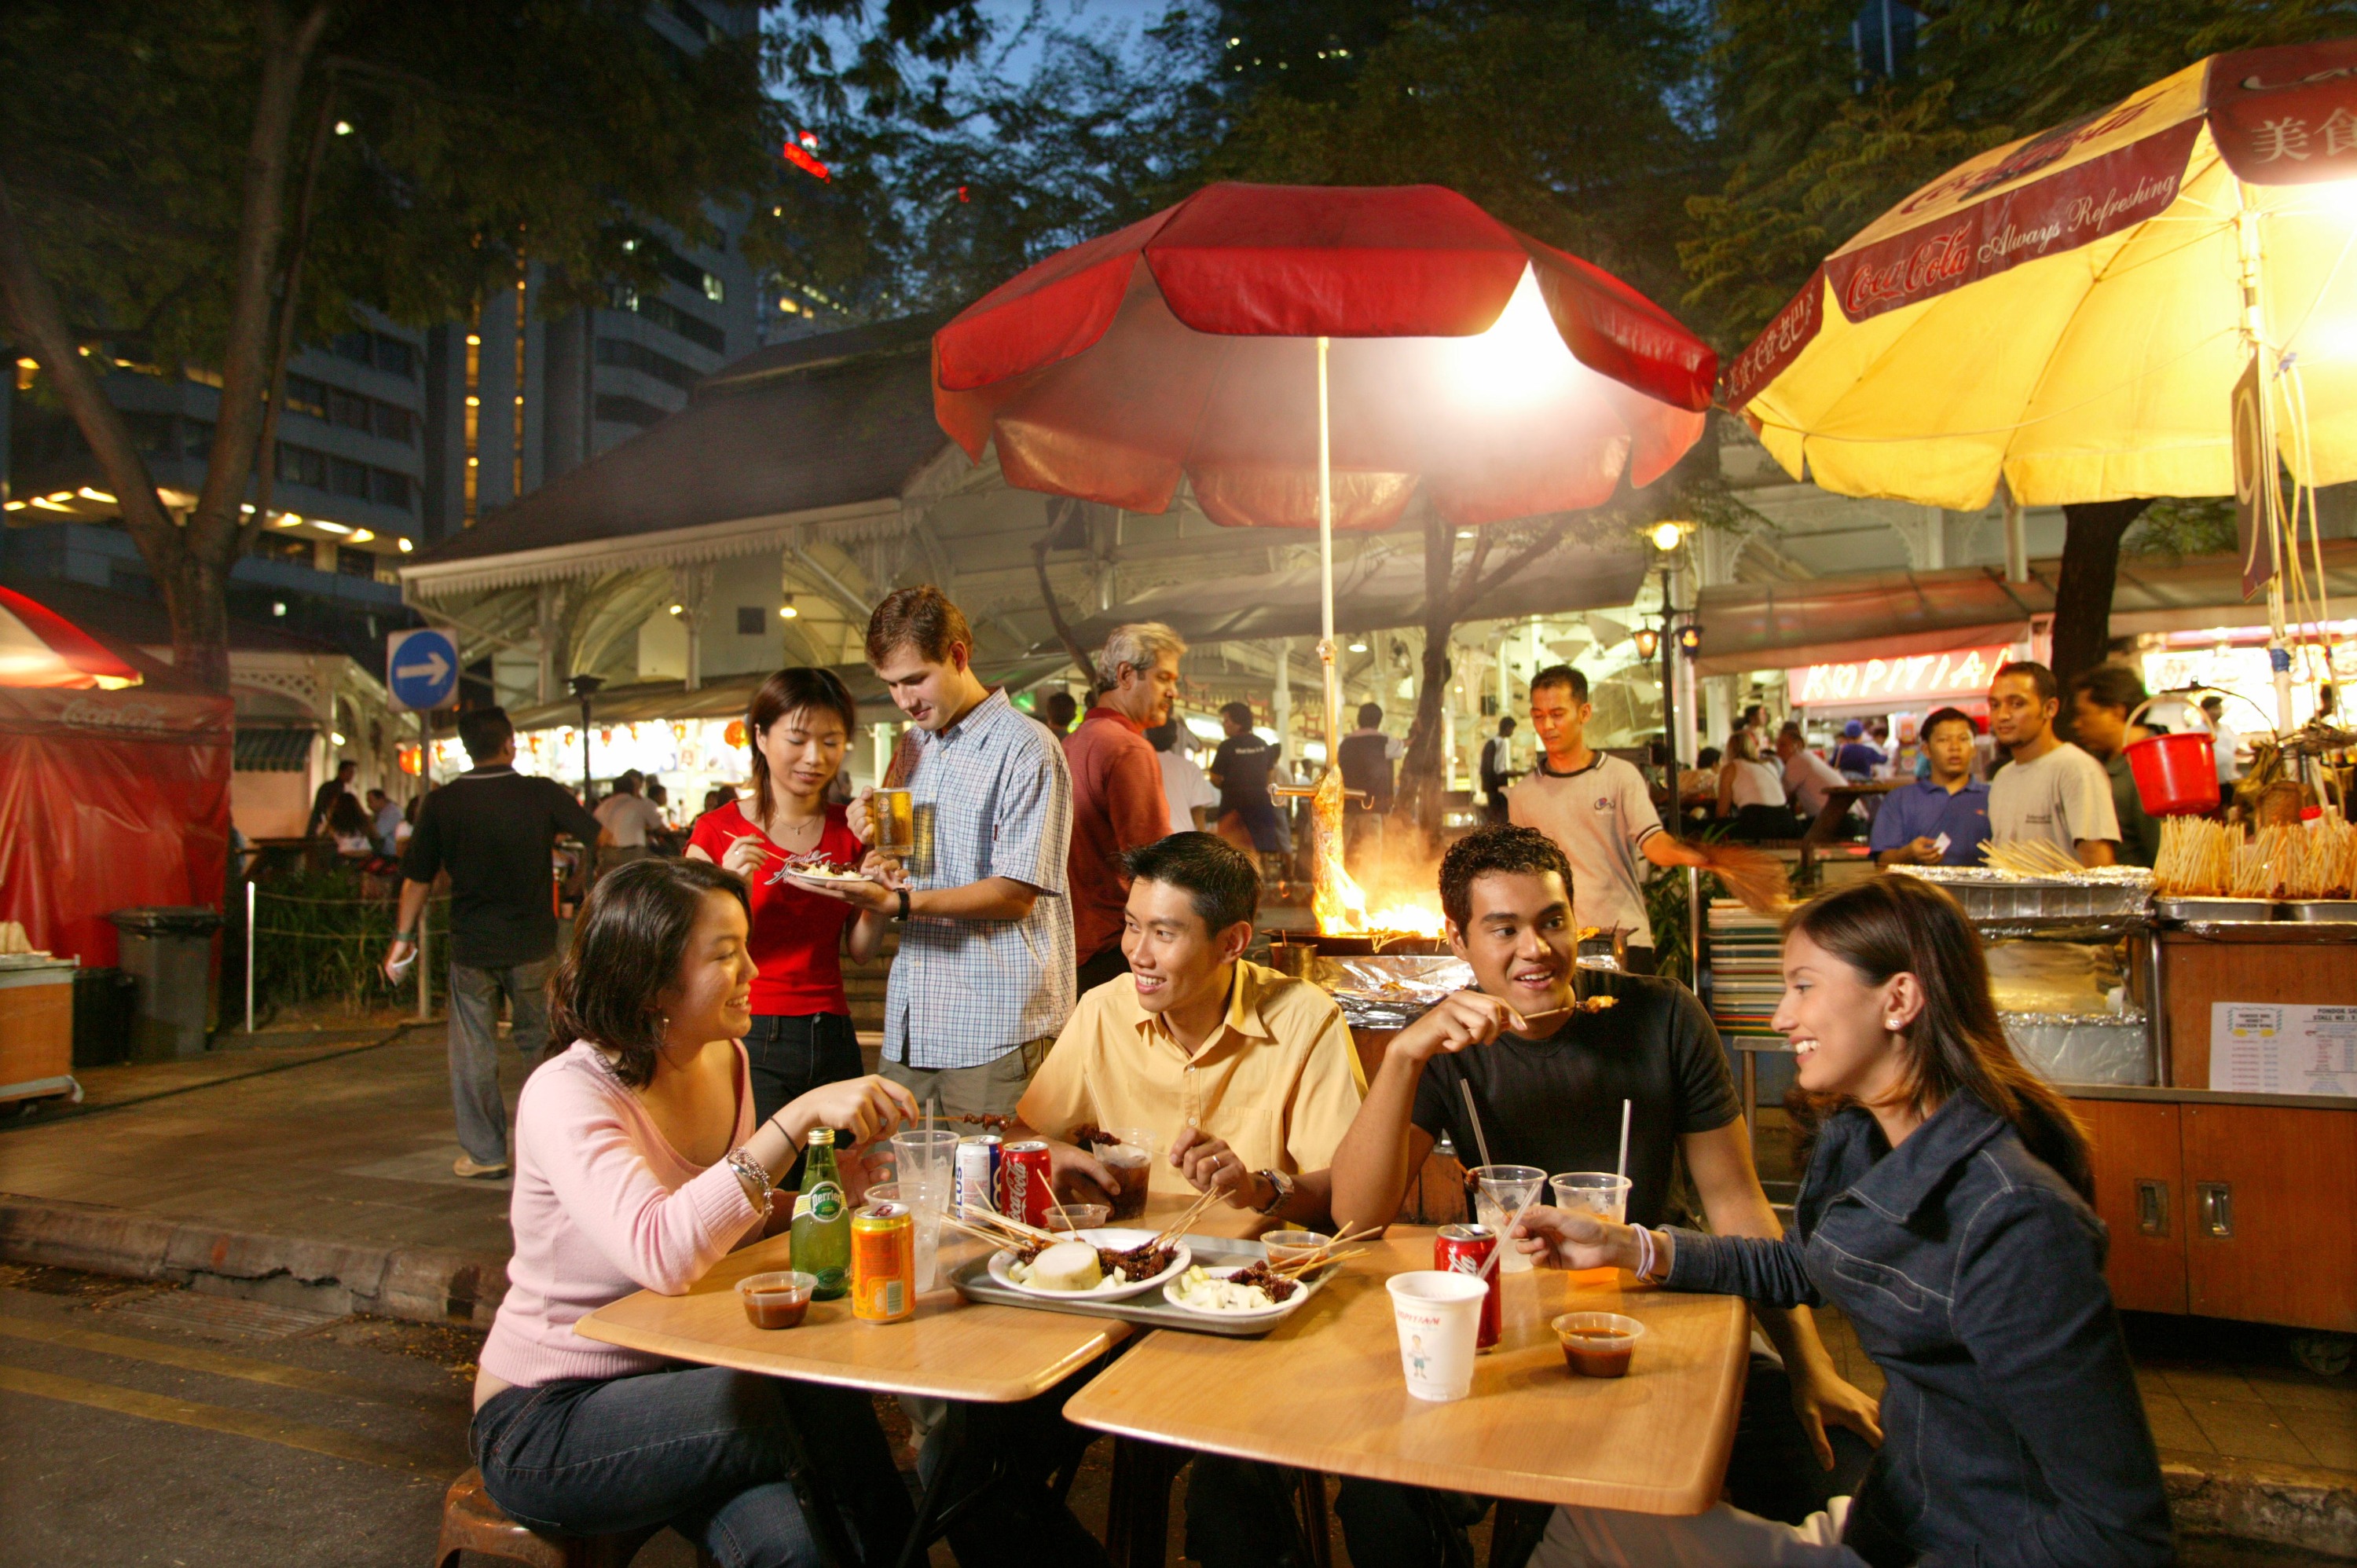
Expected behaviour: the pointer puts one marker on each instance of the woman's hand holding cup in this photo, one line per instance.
(1574, 1239)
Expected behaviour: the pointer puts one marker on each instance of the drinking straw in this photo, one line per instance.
(1474, 1116)
(1622, 1168)
(1506, 1236)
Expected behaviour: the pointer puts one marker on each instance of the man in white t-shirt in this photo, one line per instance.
(1191, 795)
(1598, 809)
(629, 817)
(1807, 776)
(2051, 790)
(2224, 741)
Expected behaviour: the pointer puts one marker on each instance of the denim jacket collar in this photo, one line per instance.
(1904, 1180)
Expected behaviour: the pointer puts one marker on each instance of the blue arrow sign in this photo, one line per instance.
(421, 670)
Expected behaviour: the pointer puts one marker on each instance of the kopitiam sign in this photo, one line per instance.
(1966, 672)
(2278, 116)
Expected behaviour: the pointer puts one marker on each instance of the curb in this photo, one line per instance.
(419, 1284)
(2288, 1505)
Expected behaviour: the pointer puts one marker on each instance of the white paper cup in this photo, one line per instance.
(1439, 1316)
(1498, 1193)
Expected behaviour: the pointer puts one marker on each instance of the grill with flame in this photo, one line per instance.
(1338, 900)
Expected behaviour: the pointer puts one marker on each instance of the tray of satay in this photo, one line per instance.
(1203, 1285)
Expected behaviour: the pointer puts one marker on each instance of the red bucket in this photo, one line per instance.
(2176, 774)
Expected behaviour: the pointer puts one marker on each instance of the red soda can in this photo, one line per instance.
(1463, 1248)
(1024, 1193)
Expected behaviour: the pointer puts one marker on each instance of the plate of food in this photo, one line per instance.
(1249, 1292)
(1102, 1265)
(821, 874)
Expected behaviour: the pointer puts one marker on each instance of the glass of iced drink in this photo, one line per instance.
(1128, 1154)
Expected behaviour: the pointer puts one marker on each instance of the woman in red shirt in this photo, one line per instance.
(799, 722)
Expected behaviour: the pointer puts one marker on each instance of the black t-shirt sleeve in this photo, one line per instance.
(568, 816)
(1224, 757)
(1706, 1097)
(423, 859)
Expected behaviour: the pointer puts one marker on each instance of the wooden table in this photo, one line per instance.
(1325, 1392)
(952, 1350)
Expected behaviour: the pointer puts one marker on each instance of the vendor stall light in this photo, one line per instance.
(406, 545)
(786, 611)
(55, 495)
(322, 523)
(288, 520)
(17, 506)
(362, 535)
(1667, 536)
(46, 504)
(99, 495)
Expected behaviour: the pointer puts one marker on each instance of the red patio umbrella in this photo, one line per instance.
(1501, 375)
(39, 647)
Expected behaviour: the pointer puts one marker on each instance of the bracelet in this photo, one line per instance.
(789, 1137)
(903, 916)
(749, 1169)
(1644, 1252)
(409, 937)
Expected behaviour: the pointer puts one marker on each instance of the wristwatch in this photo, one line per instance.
(903, 915)
(1281, 1184)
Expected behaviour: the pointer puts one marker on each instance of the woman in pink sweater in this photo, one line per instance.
(639, 1165)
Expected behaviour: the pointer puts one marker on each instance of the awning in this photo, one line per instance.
(1377, 591)
(274, 750)
(1884, 615)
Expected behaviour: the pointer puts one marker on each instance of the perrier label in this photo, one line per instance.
(822, 1223)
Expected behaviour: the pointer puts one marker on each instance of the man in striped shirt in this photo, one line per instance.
(983, 980)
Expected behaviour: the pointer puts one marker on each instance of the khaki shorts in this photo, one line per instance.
(994, 1088)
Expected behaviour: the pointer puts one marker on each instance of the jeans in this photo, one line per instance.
(1240, 1514)
(789, 1054)
(1771, 1473)
(475, 1048)
(725, 1457)
(1010, 1450)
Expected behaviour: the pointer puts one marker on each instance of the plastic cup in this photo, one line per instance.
(1128, 1153)
(925, 1168)
(1598, 1344)
(1439, 1316)
(1599, 1192)
(1076, 1216)
(1498, 1193)
(776, 1300)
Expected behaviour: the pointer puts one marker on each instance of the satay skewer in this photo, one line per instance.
(1177, 1227)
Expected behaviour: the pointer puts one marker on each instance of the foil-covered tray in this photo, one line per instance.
(2084, 1048)
(2214, 909)
(1391, 991)
(2099, 893)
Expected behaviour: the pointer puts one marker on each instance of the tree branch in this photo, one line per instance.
(1059, 512)
(1478, 588)
(283, 338)
(38, 324)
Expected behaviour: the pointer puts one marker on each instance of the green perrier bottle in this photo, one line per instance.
(822, 1227)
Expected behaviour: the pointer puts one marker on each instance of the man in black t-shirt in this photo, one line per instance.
(493, 830)
(1548, 1080)
(1365, 757)
(1241, 769)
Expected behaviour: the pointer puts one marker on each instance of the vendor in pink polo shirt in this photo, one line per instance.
(1117, 800)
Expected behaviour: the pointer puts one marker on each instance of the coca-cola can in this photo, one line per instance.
(977, 1170)
(1463, 1248)
(1025, 1192)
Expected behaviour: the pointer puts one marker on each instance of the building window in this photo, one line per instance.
(342, 476)
(750, 621)
(388, 488)
(616, 409)
(351, 563)
(279, 547)
(391, 355)
(672, 319)
(305, 395)
(624, 355)
(349, 478)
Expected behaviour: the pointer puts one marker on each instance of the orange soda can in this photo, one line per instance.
(883, 1264)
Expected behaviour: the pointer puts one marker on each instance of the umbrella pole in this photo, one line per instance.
(1326, 566)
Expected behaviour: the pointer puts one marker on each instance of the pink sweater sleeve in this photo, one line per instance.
(583, 1143)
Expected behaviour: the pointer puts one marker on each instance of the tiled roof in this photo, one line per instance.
(818, 422)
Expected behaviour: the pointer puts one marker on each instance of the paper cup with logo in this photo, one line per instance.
(1499, 1194)
(1438, 1316)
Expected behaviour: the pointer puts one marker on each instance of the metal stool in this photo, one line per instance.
(472, 1522)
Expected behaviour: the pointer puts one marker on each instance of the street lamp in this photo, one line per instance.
(1647, 640)
(584, 688)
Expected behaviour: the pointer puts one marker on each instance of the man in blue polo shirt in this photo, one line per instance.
(1942, 820)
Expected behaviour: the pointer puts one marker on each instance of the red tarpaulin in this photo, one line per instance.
(110, 801)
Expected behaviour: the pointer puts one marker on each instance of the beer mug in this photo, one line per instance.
(893, 814)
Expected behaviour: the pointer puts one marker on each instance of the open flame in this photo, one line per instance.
(1338, 900)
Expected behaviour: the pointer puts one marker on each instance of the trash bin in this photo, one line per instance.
(103, 1003)
(169, 951)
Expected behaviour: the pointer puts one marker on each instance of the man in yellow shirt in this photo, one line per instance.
(1247, 1077)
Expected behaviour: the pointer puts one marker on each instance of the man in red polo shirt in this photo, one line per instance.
(1117, 800)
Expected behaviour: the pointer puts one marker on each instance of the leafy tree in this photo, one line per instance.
(1814, 154)
(178, 188)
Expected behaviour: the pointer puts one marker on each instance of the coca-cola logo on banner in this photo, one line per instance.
(116, 713)
(1779, 345)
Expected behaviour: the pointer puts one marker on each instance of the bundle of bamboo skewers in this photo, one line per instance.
(2030, 857)
(2199, 858)
(2196, 858)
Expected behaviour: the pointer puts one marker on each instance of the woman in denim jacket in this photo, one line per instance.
(1945, 1212)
